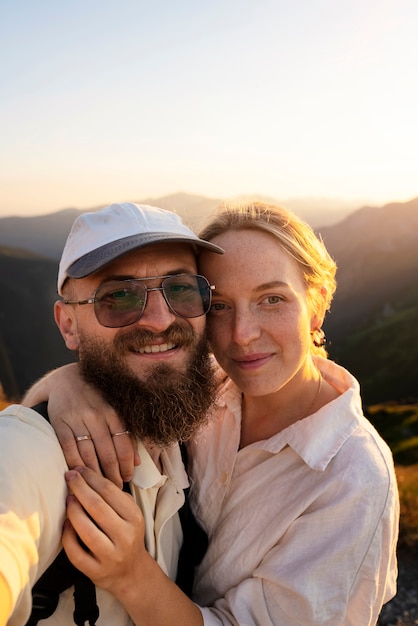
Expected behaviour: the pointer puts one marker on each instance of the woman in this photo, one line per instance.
(293, 485)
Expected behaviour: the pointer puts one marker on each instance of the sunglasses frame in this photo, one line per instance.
(94, 300)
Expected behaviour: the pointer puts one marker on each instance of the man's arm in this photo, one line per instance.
(32, 505)
(5, 601)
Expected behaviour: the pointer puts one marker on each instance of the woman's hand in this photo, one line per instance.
(76, 409)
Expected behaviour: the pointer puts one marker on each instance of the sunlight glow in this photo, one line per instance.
(310, 99)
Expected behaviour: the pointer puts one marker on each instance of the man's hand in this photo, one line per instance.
(111, 526)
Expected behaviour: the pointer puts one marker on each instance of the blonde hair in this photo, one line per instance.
(293, 235)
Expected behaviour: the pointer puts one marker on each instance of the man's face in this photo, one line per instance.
(159, 336)
(156, 372)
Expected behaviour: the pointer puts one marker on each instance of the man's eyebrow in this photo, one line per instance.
(180, 270)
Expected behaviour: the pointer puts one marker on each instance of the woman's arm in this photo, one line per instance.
(76, 408)
(111, 526)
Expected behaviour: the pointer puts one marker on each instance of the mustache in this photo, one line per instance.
(140, 337)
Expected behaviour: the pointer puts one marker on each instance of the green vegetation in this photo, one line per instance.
(408, 494)
(398, 425)
(383, 353)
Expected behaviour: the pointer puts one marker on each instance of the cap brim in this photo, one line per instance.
(95, 260)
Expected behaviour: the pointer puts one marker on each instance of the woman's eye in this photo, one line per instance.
(217, 306)
(273, 299)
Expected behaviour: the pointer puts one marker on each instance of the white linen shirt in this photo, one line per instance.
(32, 510)
(302, 526)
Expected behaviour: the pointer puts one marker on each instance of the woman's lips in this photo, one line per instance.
(253, 361)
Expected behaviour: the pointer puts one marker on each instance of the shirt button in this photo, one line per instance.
(224, 478)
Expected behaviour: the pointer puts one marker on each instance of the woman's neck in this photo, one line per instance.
(265, 416)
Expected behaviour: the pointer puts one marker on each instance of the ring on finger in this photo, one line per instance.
(83, 438)
(123, 432)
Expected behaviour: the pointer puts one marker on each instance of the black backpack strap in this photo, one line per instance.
(195, 541)
(42, 409)
(85, 606)
(46, 591)
(59, 576)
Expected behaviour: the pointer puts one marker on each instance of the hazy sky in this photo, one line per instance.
(107, 101)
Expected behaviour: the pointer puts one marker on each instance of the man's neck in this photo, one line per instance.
(155, 453)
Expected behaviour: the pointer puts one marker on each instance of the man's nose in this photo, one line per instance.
(157, 315)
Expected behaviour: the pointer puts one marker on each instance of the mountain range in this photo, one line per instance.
(372, 328)
(46, 234)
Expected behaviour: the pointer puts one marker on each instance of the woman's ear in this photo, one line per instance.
(66, 321)
(318, 309)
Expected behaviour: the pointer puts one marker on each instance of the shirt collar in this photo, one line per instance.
(147, 475)
(317, 438)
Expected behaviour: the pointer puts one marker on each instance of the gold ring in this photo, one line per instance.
(123, 432)
(83, 438)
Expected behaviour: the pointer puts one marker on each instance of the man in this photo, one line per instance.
(133, 309)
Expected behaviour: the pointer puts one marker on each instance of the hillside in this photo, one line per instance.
(372, 328)
(30, 343)
(376, 250)
(373, 324)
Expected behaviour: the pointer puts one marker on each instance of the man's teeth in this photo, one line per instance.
(157, 348)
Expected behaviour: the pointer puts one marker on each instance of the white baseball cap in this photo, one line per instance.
(98, 238)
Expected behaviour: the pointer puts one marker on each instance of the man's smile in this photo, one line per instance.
(164, 347)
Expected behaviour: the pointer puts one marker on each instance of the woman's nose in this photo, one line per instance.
(245, 327)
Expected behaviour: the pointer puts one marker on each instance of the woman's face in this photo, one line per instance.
(260, 321)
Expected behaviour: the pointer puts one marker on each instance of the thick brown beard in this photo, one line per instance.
(166, 405)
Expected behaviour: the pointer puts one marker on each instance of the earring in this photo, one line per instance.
(318, 337)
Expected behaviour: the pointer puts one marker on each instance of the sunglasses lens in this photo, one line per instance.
(187, 295)
(120, 304)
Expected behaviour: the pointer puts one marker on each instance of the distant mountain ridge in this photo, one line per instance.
(372, 327)
(42, 234)
(376, 250)
(46, 234)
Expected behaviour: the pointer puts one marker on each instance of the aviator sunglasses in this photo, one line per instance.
(122, 302)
